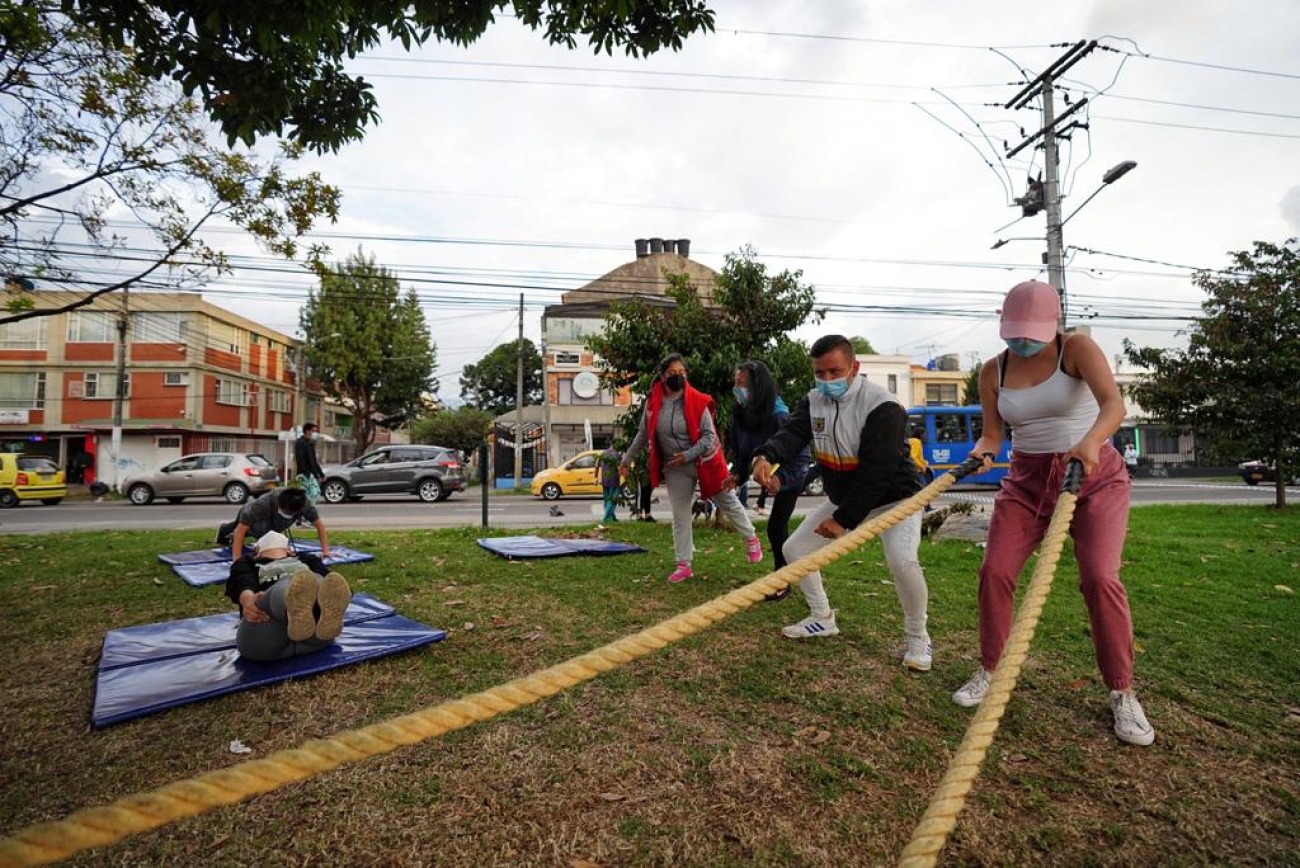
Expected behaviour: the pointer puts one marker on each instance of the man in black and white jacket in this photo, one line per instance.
(858, 433)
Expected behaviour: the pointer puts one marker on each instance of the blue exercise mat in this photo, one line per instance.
(158, 666)
(517, 547)
(211, 566)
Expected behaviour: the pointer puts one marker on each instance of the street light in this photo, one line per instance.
(1003, 242)
(1112, 175)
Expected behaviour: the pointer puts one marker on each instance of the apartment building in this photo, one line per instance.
(195, 377)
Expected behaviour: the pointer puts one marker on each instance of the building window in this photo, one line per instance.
(91, 327)
(22, 391)
(104, 385)
(225, 337)
(232, 393)
(568, 358)
(168, 442)
(176, 378)
(278, 401)
(26, 334)
(893, 383)
(940, 394)
(159, 328)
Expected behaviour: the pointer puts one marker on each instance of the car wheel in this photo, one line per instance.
(816, 488)
(236, 492)
(140, 494)
(8, 499)
(175, 499)
(334, 491)
(551, 491)
(51, 501)
(1252, 481)
(430, 490)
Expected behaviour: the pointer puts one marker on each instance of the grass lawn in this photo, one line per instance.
(735, 747)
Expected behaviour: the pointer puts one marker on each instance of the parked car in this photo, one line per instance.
(578, 475)
(432, 473)
(234, 476)
(29, 477)
(1255, 472)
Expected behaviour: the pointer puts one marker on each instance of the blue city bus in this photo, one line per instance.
(948, 434)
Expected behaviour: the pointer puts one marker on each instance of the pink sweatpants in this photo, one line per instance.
(1021, 513)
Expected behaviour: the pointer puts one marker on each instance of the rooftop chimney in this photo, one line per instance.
(642, 248)
(656, 245)
(684, 247)
(670, 245)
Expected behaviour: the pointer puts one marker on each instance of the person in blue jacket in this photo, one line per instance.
(759, 414)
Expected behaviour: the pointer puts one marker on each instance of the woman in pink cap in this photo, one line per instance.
(1059, 396)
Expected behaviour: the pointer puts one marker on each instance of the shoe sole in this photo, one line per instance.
(299, 600)
(1139, 740)
(918, 665)
(677, 579)
(966, 703)
(333, 596)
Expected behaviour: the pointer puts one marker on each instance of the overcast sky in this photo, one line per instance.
(825, 136)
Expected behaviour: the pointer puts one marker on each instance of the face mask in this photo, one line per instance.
(742, 395)
(675, 382)
(315, 435)
(1024, 347)
(833, 389)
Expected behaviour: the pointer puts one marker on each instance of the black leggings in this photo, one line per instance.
(778, 522)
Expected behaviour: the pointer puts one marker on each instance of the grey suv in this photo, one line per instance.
(430, 472)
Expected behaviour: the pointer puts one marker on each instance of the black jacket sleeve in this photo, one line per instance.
(243, 577)
(304, 458)
(785, 445)
(879, 449)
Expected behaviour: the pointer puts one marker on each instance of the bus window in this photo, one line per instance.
(976, 426)
(916, 427)
(949, 428)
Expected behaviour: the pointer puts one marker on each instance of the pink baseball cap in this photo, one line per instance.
(1031, 310)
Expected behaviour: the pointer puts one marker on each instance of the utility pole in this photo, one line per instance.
(1043, 86)
(519, 398)
(123, 322)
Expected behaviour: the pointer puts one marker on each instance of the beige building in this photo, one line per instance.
(577, 409)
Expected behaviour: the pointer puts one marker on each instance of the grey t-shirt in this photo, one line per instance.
(263, 515)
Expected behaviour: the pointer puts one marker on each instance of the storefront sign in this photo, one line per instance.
(15, 417)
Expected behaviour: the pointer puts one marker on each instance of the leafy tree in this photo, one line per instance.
(278, 68)
(368, 344)
(492, 384)
(463, 428)
(1235, 384)
(84, 137)
(862, 346)
(752, 314)
(970, 390)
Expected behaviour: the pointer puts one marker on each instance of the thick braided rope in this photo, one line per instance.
(94, 827)
(940, 817)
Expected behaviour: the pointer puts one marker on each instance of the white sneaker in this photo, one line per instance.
(972, 692)
(1130, 722)
(812, 627)
(920, 653)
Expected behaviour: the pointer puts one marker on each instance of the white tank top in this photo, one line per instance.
(1050, 417)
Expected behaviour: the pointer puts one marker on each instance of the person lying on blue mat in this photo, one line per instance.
(289, 603)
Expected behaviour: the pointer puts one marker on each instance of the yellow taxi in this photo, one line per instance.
(579, 475)
(29, 477)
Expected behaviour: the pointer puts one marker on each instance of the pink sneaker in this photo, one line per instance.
(681, 574)
(754, 549)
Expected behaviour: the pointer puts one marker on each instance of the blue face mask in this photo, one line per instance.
(742, 395)
(1024, 347)
(833, 389)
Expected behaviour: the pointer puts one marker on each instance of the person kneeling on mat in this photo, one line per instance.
(289, 603)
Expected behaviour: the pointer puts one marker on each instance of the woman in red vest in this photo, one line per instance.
(679, 432)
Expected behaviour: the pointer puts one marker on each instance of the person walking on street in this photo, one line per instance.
(1058, 394)
(858, 431)
(611, 480)
(679, 435)
(306, 466)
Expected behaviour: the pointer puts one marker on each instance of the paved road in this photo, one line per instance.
(504, 510)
